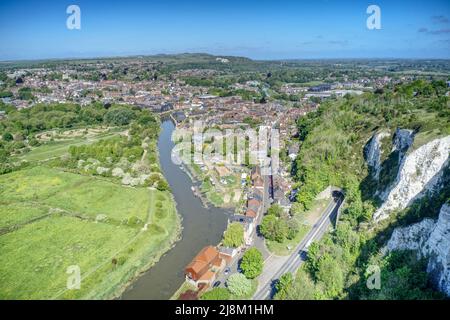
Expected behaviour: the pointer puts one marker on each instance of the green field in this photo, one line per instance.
(35, 253)
(56, 149)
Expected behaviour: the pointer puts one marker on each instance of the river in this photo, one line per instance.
(201, 227)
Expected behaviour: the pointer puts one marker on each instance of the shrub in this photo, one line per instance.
(7, 136)
(239, 285)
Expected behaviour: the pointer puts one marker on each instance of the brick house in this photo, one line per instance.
(204, 267)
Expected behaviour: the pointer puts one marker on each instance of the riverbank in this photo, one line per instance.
(109, 250)
(152, 261)
(200, 227)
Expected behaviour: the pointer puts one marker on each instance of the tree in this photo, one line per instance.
(284, 285)
(275, 210)
(268, 227)
(25, 94)
(252, 263)
(162, 185)
(239, 285)
(300, 288)
(274, 228)
(119, 116)
(330, 274)
(293, 229)
(6, 94)
(216, 294)
(234, 235)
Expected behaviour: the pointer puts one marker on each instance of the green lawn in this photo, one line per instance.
(215, 198)
(287, 247)
(75, 193)
(35, 256)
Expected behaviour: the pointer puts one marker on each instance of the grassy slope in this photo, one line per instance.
(333, 154)
(35, 256)
(59, 148)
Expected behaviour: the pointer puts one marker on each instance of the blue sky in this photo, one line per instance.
(259, 29)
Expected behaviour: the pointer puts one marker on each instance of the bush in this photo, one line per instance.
(134, 221)
(7, 136)
(163, 185)
(293, 229)
(252, 263)
(239, 285)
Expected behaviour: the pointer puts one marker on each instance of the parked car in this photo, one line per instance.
(216, 284)
(227, 270)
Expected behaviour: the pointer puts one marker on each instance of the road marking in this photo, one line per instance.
(266, 289)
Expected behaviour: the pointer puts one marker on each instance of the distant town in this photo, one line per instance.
(87, 111)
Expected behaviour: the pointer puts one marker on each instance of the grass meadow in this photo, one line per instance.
(49, 221)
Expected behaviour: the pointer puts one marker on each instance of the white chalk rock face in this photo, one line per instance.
(412, 237)
(373, 153)
(403, 139)
(431, 240)
(419, 172)
(437, 248)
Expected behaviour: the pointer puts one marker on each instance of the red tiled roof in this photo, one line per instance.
(251, 213)
(206, 258)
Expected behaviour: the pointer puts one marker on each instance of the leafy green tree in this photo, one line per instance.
(268, 227)
(284, 285)
(3, 155)
(330, 273)
(6, 94)
(162, 185)
(119, 116)
(252, 263)
(239, 285)
(25, 94)
(293, 228)
(234, 235)
(216, 294)
(275, 210)
(273, 228)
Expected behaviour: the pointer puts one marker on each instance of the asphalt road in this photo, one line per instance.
(300, 254)
(258, 239)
